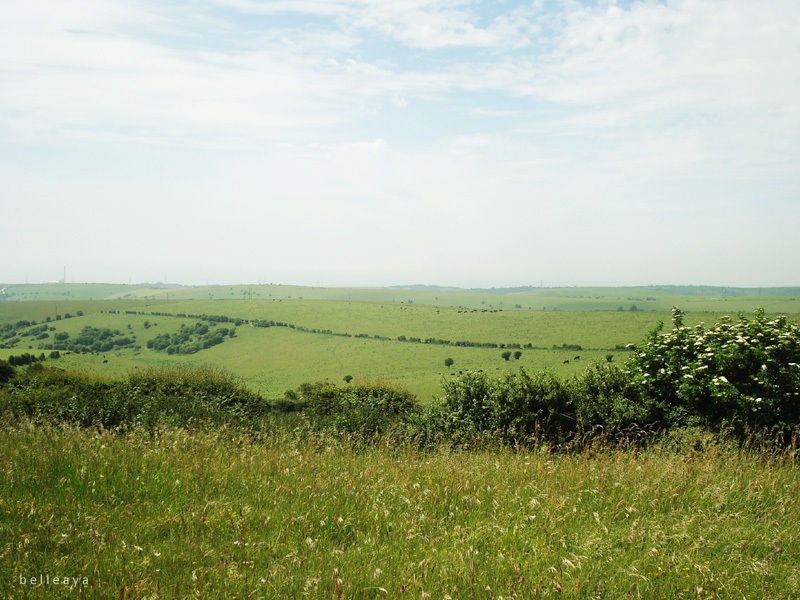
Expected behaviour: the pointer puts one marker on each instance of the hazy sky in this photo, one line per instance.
(379, 142)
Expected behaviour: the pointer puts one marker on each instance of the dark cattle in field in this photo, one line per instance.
(577, 358)
(566, 362)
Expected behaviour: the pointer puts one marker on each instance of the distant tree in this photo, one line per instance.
(6, 371)
(517, 354)
(348, 378)
(609, 357)
(506, 355)
(448, 362)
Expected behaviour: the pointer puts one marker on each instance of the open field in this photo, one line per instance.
(216, 515)
(401, 334)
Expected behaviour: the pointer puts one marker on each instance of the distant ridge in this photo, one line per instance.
(683, 290)
(708, 290)
(421, 287)
(440, 288)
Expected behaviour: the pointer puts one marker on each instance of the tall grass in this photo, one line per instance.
(174, 513)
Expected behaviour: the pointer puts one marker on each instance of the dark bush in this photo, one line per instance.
(7, 371)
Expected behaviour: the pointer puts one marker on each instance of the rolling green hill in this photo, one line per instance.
(282, 336)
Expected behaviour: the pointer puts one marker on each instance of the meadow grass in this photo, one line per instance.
(213, 514)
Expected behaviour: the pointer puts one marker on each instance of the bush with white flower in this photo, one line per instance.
(743, 372)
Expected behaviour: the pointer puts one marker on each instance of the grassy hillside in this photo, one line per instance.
(326, 333)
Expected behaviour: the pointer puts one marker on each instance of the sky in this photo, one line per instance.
(373, 143)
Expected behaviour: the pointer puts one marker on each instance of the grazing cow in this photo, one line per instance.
(566, 362)
(577, 358)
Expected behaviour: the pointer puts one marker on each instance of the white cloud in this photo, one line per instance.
(453, 139)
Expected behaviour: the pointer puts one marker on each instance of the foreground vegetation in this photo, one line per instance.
(217, 514)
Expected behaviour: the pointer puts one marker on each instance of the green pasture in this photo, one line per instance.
(366, 333)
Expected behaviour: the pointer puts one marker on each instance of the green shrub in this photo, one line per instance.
(745, 373)
(148, 398)
(367, 409)
(184, 395)
(515, 406)
(607, 400)
(53, 395)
